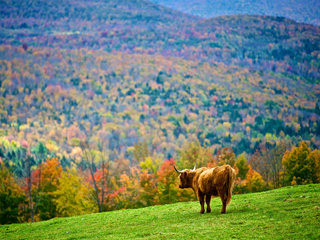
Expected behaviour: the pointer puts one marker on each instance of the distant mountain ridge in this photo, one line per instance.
(307, 11)
(144, 27)
(90, 13)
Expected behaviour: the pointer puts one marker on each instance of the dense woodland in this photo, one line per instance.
(100, 99)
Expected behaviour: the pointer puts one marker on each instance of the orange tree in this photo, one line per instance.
(51, 174)
(255, 182)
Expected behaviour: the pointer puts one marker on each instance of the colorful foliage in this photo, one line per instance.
(51, 171)
(302, 165)
(255, 182)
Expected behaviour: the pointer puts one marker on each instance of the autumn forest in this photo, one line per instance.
(100, 99)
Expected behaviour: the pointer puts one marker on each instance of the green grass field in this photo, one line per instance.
(286, 213)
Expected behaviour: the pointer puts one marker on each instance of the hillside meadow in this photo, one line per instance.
(285, 213)
(100, 99)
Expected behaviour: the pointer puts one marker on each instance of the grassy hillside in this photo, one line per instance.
(286, 213)
(138, 82)
(302, 11)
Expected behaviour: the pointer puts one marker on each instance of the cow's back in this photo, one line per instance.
(211, 179)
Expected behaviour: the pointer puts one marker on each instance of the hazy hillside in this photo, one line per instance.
(99, 12)
(82, 23)
(301, 11)
(269, 44)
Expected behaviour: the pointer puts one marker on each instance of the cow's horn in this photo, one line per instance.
(194, 167)
(177, 169)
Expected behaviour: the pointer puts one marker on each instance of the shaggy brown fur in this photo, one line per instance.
(208, 182)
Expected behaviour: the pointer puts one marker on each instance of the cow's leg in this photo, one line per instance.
(201, 200)
(208, 199)
(223, 196)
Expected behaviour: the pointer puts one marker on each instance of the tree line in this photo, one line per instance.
(35, 185)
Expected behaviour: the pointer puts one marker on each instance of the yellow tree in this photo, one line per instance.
(130, 196)
(193, 153)
(98, 178)
(226, 156)
(255, 182)
(140, 152)
(302, 165)
(71, 197)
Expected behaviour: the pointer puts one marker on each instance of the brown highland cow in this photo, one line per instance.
(208, 182)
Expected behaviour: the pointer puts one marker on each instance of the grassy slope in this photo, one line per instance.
(286, 213)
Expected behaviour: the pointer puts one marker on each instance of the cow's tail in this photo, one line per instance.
(231, 177)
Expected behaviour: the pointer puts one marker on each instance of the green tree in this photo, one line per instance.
(40, 151)
(242, 165)
(168, 185)
(151, 164)
(11, 198)
(193, 153)
(33, 179)
(302, 165)
(140, 152)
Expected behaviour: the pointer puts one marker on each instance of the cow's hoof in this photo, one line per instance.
(201, 212)
(209, 211)
(223, 212)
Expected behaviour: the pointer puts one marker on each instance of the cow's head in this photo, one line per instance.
(185, 177)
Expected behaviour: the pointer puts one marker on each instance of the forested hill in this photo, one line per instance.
(260, 43)
(133, 70)
(307, 11)
(26, 20)
(96, 11)
(266, 42)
